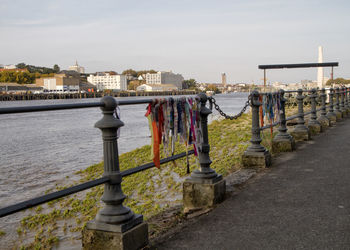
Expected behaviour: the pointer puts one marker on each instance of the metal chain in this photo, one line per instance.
(213, 101)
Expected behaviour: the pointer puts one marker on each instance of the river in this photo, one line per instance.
(40, 149)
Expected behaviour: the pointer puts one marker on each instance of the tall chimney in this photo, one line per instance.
(223, 79)
(320, 83)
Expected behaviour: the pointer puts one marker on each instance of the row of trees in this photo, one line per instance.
(21, 77)
(29, 76)
(338, 81)
(18, 77)
(38, 69)
(135, 73)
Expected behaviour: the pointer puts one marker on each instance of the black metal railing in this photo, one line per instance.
(104, 104)
(300, 132)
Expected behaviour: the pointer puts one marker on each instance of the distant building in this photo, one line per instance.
(10, 66)
(279, 85)
(223, 79)
(11, 87)
(77, 68)
(62, 82)
(157, 87)
(165, 77)
(105, 80)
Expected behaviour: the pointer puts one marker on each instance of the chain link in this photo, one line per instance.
(213, 101)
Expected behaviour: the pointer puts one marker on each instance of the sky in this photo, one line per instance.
(198, 39)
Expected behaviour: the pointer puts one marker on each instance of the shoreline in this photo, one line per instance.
(55, 96)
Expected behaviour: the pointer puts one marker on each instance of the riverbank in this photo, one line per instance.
(56, 96)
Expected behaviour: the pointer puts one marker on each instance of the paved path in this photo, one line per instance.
(303, 202)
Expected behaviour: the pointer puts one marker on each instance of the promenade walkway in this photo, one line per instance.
(302, 202)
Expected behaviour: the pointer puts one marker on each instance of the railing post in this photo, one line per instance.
(283, 141)
(347, 100)
(114, 223)
(256, 155)
(338, 113)
(204, 188)
(313, 125)
(301, 132)
(323, 120)
(332, 117)
(342, 103)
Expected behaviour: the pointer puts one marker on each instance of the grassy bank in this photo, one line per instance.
(149, 192)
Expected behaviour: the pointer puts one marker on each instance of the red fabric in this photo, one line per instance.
(156, 157)
(261, 112)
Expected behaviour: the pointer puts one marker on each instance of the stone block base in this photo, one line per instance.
(256, 160)
(314, 129)
(338, 115)
(202, 195)
(133, 239)
(332, 119)
(283, 145)
(301, 135)
(324, 122)
(344, 113)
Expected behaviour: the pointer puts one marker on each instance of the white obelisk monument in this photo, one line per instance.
(320, 69)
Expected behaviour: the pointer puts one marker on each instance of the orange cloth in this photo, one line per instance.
(156, 156)
(261, 112)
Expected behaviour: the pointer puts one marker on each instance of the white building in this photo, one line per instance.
(77, 68)
(10, 66)
(165, 77)
(63, 82)
(157, 87)
(104, 80)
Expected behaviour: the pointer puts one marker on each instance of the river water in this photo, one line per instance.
(39, 149)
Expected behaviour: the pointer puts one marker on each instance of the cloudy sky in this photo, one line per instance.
(199, 39)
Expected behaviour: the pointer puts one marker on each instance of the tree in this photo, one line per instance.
(338, 81)
(212, 87)
(56, 68)
(129, 72)
(141, 72)
(189, 84)
(134, 84)
(21, 66)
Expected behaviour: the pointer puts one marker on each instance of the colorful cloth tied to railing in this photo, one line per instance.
(270, 108)
(172, 119)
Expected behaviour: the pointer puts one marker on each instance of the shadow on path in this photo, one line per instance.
(302, 202)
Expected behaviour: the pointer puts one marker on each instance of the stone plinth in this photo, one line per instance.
(314, 128)
(285, 144)
(200, 194)
(344, 113)
(324, 121)
(338, 115)
(108, 237)
(301, 134)
(332, 119)
(256, 160)
(347, 110)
